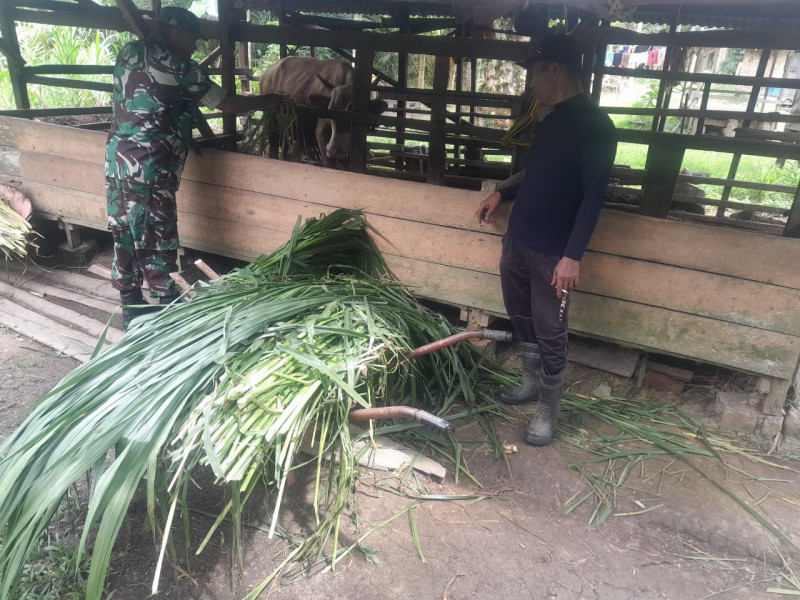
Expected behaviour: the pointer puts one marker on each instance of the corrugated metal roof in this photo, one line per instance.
(756, 15)
(735, 15)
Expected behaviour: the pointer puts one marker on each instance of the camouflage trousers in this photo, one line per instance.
(144, 226)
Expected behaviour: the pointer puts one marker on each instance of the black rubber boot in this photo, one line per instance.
(528, 391)
(136, 307)
(164, 300)
(540, 431)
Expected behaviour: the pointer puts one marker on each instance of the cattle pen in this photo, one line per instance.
(697, 284)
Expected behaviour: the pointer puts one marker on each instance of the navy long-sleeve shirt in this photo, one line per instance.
(557, 204)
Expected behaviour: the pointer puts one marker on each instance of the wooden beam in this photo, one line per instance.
(664, 95)
(227, 17)
(771, 117)
(792, 228)
(79, 84)
(69, 70)
(663, 166)
(133, 19)
(384, 42)
(777, 37)
(438, 150)
(11, 52)
(361, 91)
(19, 86)
(30, 113)
(702, 77)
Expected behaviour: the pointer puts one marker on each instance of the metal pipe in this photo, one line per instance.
(482, 334)
(432, 422)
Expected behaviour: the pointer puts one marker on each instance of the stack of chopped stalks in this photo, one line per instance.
(231, 381)
(278, 127)
(15, 232)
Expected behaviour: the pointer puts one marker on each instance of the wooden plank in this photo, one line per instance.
(776, 397)
(79, 84)
(689, 336)
(750, 303)
(8, 131)
(460, 287)
(685, 290)
(663, 166)
(75, 319)
(746, 255)
(9, 163)
(604, 356)
(739, 254)
(46, 331)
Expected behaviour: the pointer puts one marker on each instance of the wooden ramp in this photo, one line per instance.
(710, 294)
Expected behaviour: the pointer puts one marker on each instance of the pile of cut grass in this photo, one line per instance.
(232, 380)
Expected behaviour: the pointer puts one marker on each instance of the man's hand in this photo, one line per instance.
(487, 207)
(565, 275)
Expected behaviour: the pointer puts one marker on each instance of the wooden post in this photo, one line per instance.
(8, 34)
(227, 16)
(751, 104)
(459, 87)
(473, 84)
(663, 97)
(402, 79)
(703, 106)
(792, 228)
(599, 65)
(245, 58)
(282, 51)
(437, 157)
(663, 166)
(361, 90)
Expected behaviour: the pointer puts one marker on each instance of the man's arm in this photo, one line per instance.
(597, 158)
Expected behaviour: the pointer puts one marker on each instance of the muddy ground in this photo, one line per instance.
(673, 534)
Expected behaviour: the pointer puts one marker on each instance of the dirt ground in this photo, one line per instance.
(673, 534)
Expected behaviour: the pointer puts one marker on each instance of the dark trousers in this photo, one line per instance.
(144, 228)
(531, 303)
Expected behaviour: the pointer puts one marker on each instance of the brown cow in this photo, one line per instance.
(321, 83)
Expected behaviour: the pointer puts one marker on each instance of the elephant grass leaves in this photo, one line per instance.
(232, 380)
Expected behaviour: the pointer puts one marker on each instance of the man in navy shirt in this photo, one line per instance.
(555, 212)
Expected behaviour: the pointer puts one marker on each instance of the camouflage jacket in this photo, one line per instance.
(155, 97)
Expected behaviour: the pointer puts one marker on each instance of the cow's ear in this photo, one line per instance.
(377, 107)
(319, 100)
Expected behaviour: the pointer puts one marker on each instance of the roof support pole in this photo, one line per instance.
(438, 149)
(10, 47)
(227, 15)
(664, 90)
(361, 91)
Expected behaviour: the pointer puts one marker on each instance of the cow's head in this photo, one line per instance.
(341, 98)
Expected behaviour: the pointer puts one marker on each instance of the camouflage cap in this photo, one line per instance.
(183, 19)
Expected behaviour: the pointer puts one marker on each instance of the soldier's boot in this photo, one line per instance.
(164, 300)
(134, 305)
(528, 391)
(540, 430)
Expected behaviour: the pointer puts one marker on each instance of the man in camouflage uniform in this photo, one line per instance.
(157, 87)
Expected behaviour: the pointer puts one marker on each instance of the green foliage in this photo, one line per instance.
(51, 45)
(732, 60)
(235, 377)
(50, 572)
